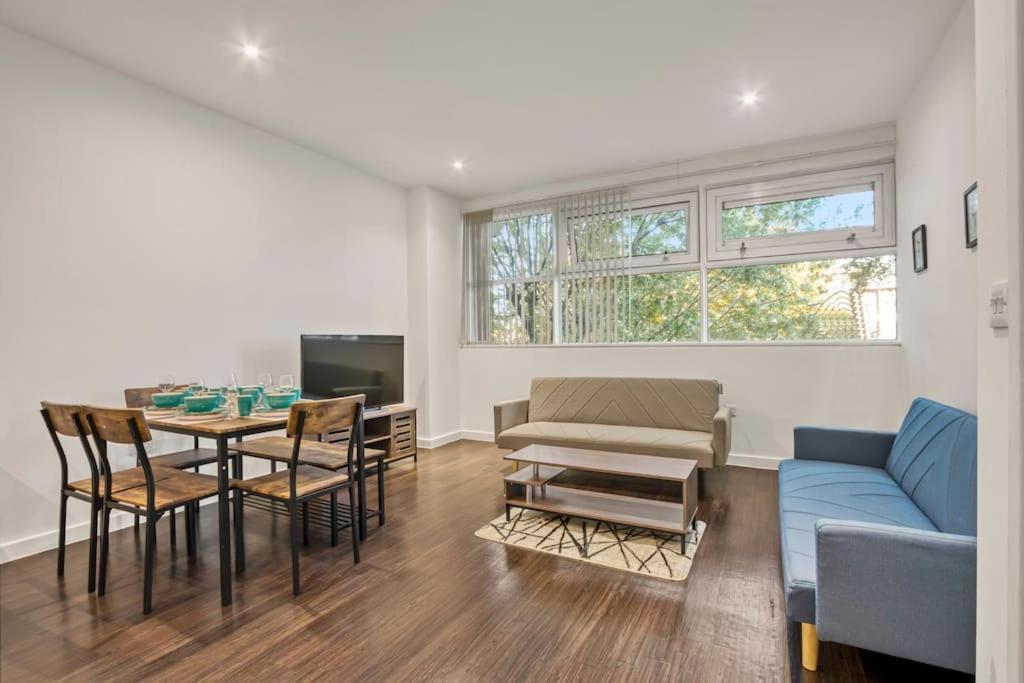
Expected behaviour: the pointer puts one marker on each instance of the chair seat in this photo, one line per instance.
(277, 485)
(670, 443)
(810, 490)
(183, 460)
(125, 479)
(332, 456)
(177, 488)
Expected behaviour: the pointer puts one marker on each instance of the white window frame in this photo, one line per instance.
(881, 233)
(658, 204)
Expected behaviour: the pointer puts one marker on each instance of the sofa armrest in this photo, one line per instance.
(850, 446)
(902, 591)
(509, 414)
(721, 435)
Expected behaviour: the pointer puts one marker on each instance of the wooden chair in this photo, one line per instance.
(162, 489)
(68, 420)
(195, 457)
(302, 482)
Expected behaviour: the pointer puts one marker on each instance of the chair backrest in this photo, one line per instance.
(140, 397)
(62, 418)
(114, 424)
(68, 420)
(328, 415)
(934, 459)
(688, 404)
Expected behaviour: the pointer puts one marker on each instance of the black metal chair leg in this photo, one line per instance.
(136, 525)
(174, 528)
(94, 512)
(101, 589)
(147, 580)
(334, 518)
(352, 523)
(61, 538)
(305, 523)
(294, 510)
(380, 491)
(189, 532)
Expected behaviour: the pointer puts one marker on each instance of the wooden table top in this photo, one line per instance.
(611, 462)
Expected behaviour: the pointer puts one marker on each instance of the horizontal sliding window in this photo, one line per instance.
(825, 212)
(834, 299)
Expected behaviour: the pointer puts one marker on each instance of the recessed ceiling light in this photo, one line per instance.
(251, 51)
(458, 165)
(750, 98)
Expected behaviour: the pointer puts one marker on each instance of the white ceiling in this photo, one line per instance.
(525, 91)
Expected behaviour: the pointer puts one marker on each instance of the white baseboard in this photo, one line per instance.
(473, 435)
(434, 442)
(39, 543)
(760, 462)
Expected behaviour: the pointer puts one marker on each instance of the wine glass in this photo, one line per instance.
(266, 380)
(165, 383)
(200, 385)
(287, 383)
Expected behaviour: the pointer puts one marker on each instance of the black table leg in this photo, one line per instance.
(239, 516)
(223, 510)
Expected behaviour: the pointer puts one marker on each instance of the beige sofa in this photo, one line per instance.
(675, 418)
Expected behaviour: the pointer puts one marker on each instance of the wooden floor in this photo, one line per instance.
(429, 601)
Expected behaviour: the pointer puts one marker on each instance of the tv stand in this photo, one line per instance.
(391, 429)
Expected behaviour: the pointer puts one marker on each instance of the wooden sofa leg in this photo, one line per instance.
(809, 646)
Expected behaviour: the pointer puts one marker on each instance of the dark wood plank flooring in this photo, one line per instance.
(429, 601)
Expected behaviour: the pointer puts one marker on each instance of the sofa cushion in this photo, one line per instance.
(663, 403)
(810, 490)
(673, 443)
(935, 460)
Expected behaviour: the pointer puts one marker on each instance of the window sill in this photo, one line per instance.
(715, 344)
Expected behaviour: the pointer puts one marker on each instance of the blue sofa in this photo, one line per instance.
(879, 546)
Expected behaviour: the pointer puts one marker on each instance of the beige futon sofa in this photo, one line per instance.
(675, 418)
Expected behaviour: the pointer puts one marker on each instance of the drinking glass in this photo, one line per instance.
(201, 385)
(287, 383)
(165, 383)
(266, 381)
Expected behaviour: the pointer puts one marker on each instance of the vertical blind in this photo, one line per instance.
(553, 272)
(594, 292)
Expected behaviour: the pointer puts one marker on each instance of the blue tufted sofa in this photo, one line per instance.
(879, 537)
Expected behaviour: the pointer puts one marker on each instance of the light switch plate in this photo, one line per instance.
(997, 305)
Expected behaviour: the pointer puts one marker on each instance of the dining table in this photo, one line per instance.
(223, 430)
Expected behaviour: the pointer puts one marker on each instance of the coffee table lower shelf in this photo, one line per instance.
(648, 514)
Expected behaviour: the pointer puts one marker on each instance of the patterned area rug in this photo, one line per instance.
(612, 545)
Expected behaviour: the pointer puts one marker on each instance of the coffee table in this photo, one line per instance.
(624, 477)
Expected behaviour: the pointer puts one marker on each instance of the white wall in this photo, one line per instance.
(998, 37)
(774, 387)
(934, 165)
(434, 227)
(140, 234)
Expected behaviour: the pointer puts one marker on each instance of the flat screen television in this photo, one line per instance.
(344, 364)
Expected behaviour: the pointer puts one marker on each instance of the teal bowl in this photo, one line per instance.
(170, 399)
(298, 393)
(202, 404)
(251, 391)
(280, 401)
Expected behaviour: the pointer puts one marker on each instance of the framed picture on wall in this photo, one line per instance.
(971, 215)
(919, 240)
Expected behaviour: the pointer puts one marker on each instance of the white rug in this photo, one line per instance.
(632, 549)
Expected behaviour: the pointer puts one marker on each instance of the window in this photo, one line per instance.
(808, 257)
(827, 212)
(657, 231)
(835, 299)
(510, 261)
